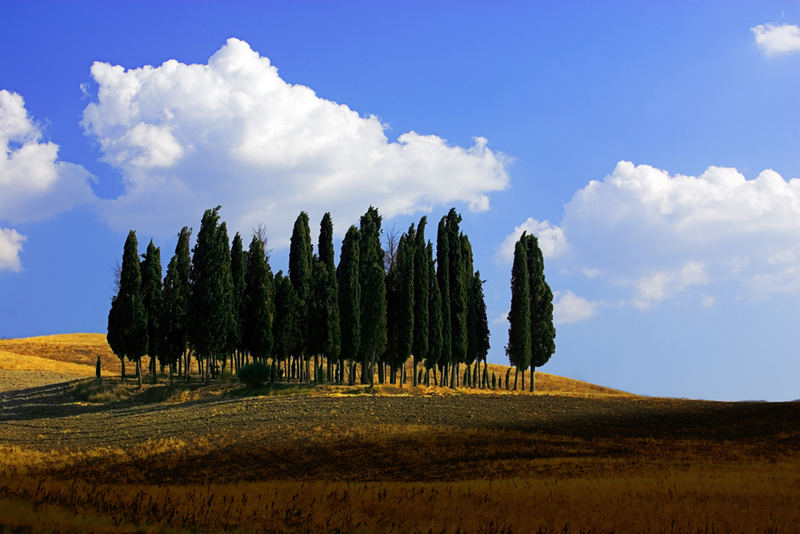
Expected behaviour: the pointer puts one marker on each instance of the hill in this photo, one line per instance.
(70, 356)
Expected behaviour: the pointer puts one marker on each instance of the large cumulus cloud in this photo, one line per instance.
(232, 132)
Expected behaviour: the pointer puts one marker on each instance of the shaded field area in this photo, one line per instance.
(336, 459)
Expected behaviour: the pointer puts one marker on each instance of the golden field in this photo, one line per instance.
(574, 457)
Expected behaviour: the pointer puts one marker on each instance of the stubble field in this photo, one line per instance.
(337, 459)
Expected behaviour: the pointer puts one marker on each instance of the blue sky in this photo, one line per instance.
(652, 146)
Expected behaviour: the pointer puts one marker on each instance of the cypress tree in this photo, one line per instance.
(350, 298)
(212, 287)
(478, 346)
(324, 336)
(373, 293)
(173, 317)
(325, 244)
(543, 331)
(180, 318)
(421, 298)
(286, 325)
(443, 278)
(405, 261)
(258, 303)
(519, 318)
(435, 330)
(457, 294)
(114, 335)
(129, 314)
(238, 270)
(333, 346)
(152, 299)
(300, 266)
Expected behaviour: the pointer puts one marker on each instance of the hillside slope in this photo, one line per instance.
(75, 356)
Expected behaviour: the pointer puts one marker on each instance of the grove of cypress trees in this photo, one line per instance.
(519, 317)
(350, 299)
(152, 299)
(373, 293)
(258, 303)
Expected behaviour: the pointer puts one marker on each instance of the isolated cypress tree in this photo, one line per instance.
(543, 331)
(153, 301)
(421, 298)
(435, 307)
(238, 271)
(373, 292)
(212, 287)
(519, 318)
(349, 297)
(258, 303)
(130, 316)
(443, 277)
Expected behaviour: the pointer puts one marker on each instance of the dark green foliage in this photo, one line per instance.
(258, 303)
(114, 334)
(176, 302)
(508, 377)
(287, 323)
(238, 270)
(212, 287)
(458, 289)
(350, 295)
(153, 301)
(421, 296)
(373, 290)
(323, 313)
(325, 244)
(519, 318)
(494, 381)
(435, 333)
(255, 374)
(300, 257)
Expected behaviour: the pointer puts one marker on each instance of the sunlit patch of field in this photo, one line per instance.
(80, 349)
(10, 361)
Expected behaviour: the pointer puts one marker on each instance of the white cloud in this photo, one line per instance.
(661, 236)
(10, 247)
(34, 185)
(552, 240)
(773, 39)
(232, 132)
(570, 308)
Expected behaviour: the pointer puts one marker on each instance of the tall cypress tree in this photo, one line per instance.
(152, 299)
(478, 339)
(238, 270)
(212, 287)
(173, 317)
(350, 298)
(114, 334)
(286, 324)
(300, 266)
(183, 267)
(519, 317)
(458, 295)
(332, 348)
(128, 315)
(373, 292)
(443, 277)
(543, 331)
(258, 303)
(421, 288)
(325, 244)
(435, 329)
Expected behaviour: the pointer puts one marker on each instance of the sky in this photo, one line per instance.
(653, 148)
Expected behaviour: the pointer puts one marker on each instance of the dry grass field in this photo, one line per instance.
(574, 457)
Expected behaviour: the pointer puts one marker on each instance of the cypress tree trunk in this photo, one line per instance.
(523, 380)
(139, 371)
(516, 374)
(454, 377)
(122, 376)
(533, 377)
(415, 381)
